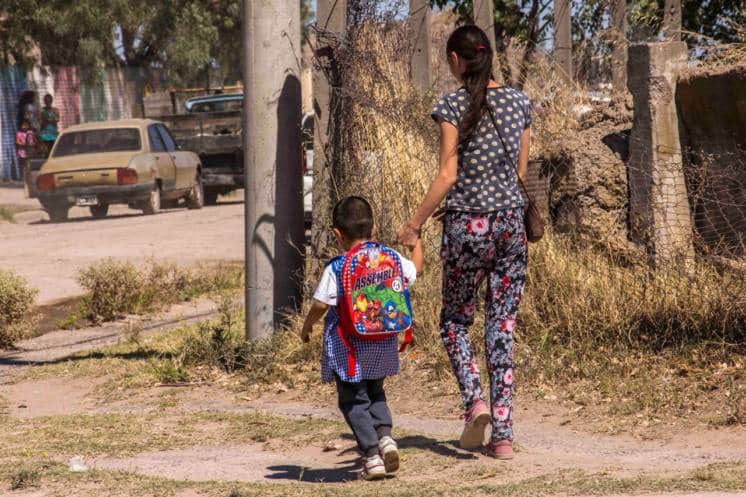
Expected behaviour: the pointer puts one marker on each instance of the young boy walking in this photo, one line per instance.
(360, 341)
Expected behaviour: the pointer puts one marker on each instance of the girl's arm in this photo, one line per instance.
(523, 156)
(317, 311)
(440, 186)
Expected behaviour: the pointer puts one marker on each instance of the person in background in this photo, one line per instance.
(25, 107)
(25, 148)
(28, 110)
(50, 116)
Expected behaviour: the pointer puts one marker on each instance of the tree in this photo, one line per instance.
(524, 20)
(181, 38)
(713, 19)
(529, 21)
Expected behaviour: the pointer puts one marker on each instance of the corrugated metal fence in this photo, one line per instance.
(114, 94)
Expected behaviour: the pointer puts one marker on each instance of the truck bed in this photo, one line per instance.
(216, 137)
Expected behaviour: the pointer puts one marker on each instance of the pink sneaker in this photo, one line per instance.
(502, 449)
(476, 420)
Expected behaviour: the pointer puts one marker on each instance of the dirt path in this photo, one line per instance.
(50, 255)
(546, 445)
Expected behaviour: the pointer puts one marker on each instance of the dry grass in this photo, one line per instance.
(55, 479)
(7, 215)
(16, 303)
(717, 54)
(591, 316)
(117, 288)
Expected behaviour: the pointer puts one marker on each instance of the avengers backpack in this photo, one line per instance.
(373, 296)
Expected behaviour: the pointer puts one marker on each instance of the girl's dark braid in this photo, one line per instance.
(472, 46)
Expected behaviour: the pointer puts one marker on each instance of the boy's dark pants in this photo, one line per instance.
(364, 407)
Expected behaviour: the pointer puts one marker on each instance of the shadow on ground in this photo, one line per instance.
(318, 475)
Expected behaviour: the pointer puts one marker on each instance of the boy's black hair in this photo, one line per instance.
(353, 216)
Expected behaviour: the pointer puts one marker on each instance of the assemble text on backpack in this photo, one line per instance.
(373, 301)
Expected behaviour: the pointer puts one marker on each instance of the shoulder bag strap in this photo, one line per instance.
(507, 153)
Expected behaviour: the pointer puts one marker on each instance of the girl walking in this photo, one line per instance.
(484, 146)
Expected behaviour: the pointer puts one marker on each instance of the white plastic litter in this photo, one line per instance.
(77, 465)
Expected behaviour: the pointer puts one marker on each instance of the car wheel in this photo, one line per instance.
(196, 197)
(58, 214)
(153, 204)
(99, 211)
(211, 198)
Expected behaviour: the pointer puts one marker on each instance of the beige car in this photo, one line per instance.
(135, 162)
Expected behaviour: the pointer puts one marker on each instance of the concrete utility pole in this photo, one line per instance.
(619, 50)
(272, 162)
(562, 37)
(331, 17)
(660, 217)
(484, 17)
(672, 20)
(419, 32)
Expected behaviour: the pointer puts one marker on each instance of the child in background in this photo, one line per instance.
(25, 146)
(360, 391)
(50, 117)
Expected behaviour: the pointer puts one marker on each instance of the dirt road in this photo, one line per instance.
(50, 255)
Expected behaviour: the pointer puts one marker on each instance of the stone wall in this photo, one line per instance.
(588, 186)
(712, 115)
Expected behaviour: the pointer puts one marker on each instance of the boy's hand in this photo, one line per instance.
(314, 314)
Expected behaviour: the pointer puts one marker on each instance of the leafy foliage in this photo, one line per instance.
(183, 40)
(512, 17)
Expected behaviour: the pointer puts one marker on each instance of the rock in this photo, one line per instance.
(77, 465)
(331, 446)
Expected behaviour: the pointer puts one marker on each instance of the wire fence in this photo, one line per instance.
(636, 256)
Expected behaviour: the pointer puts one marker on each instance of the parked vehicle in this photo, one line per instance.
(135, 162)
(220, 102)
(216, 138)
(212, 128)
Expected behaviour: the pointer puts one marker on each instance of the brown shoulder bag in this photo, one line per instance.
(532, 218)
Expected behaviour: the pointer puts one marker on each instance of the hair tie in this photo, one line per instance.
(481, 47)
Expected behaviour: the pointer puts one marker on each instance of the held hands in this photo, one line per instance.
(305, 335)
(408, 235)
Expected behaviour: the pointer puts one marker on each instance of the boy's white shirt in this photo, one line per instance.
(326, 291)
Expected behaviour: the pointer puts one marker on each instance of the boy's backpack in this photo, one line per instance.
(373, 298)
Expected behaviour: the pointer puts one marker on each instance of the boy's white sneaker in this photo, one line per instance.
(390, 453)
(373, 468)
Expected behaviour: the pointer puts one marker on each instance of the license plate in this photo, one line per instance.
(87, 200)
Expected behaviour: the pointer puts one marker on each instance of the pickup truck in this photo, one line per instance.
(211, 127)
(215, 136)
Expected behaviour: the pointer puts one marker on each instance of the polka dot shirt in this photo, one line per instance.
(487, 180)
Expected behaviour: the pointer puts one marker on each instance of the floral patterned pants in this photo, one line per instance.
(479, 247)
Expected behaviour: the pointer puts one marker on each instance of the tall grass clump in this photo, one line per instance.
(16, 303)
(221, 345)
(7, 215)
(116, 288)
